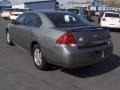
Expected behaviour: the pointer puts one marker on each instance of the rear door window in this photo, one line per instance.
(21, 19)
(32, 20)
(112, 15)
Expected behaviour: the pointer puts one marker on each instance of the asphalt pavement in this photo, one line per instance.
(17, 71)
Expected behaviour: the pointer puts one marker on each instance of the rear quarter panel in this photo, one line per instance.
(49, 45)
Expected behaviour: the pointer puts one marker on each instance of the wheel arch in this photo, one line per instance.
(32, 45)
(6, 30)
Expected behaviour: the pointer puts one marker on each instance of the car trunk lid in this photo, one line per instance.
(112, 20)
(90, 36)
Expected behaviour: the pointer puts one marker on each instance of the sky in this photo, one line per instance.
(61, 1)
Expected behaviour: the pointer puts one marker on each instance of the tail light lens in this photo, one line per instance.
(104, 19)
(66, 39)
(14, 14)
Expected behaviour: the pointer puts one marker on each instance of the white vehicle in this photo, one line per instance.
(17, 13)
(6, 13)
(110, 20)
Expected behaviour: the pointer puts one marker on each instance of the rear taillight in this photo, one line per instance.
(14, 14)
(66, 39)
(104, 19)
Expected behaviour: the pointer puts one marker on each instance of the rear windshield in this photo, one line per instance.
(66, 20)
(112, 15)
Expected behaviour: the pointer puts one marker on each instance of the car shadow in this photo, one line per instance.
(104, 67)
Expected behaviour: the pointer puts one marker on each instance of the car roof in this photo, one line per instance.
(51, 11)
(112, 12)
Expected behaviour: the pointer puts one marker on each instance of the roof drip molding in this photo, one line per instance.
(38, 1)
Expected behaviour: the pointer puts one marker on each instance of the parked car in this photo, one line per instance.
(110, 20)
(59, 38)
(18, 12)
(6, 13)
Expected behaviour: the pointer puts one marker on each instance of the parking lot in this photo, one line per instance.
(17, 71)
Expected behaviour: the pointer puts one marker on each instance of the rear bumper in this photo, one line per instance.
(13, 17)
(5, 16)
(72, 58)
(114, 26)
(111, 27)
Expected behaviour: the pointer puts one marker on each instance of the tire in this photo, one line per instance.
(39, 59)
(8, 38)
(5, 18)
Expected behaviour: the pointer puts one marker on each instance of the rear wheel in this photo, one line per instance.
(8, 38)
(6, 18)
(39, 59)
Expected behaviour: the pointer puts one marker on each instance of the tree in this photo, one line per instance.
(114, 3)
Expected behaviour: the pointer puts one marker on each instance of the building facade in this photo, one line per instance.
(38, 5)
(5, 4)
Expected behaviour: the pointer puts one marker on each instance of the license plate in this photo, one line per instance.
(112, 24)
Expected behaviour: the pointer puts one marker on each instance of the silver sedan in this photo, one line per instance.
(59, 38)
